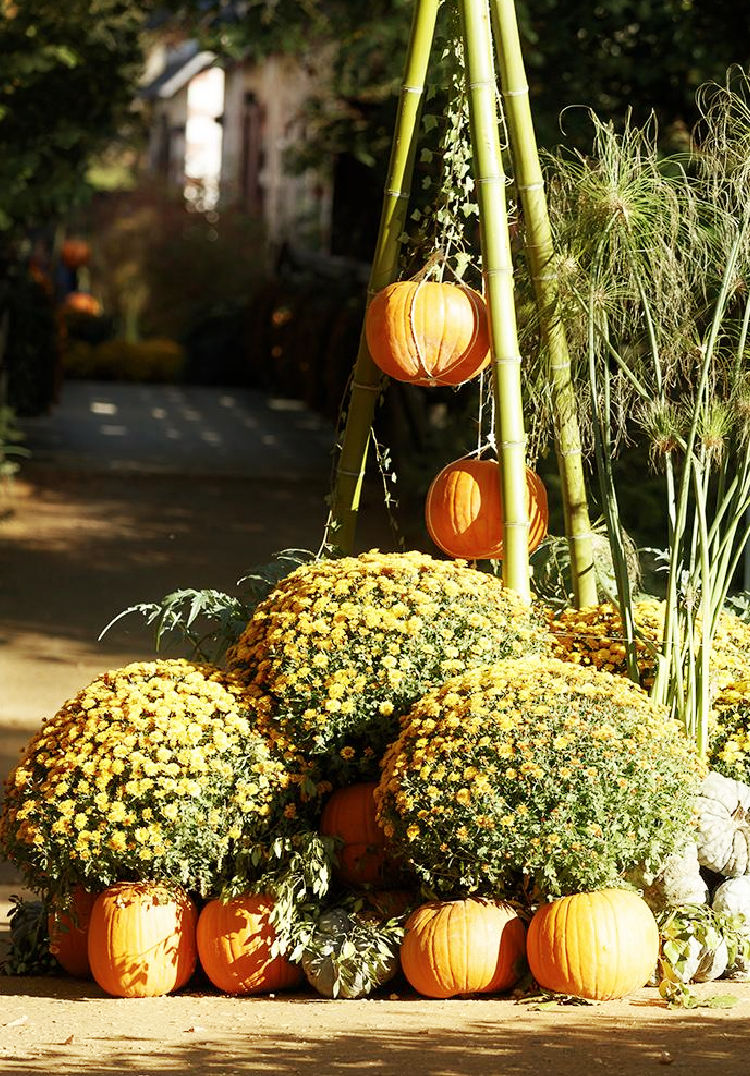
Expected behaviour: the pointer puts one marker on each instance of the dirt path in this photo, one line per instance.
(79, 542)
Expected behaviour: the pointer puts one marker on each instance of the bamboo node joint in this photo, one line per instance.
(539, 186)
(523, 91)
(365, 388)
(350, 474)
(396, 194)
(412, 89)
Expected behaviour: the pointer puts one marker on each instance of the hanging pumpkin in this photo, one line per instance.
(460, 947)
(349, 815)
(598, 945)
(234, 945)
(428, 333)
(75, 253)
(142, 939)
(69, 933)
(464, 510)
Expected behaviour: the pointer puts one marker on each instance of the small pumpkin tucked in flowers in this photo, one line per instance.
(342, 648)
(534, 770)
(462, 947)
(598, 945)
(349, 815)
(235, 940)
(428, 332)
(152, 771)
(141, 939)
(464, 510)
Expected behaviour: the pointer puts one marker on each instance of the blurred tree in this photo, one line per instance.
(612, 56)
(68, 76)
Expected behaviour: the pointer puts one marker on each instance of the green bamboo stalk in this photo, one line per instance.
(540, 252)
(497, 268)
(367, 379)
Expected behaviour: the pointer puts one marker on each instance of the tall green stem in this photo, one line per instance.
(540, 252)
(498, 276)
(367, 379)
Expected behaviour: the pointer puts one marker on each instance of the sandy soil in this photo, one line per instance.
(75, 548)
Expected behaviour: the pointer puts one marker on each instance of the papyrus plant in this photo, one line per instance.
(654, 260)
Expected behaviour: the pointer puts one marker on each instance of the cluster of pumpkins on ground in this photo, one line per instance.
(139, 939)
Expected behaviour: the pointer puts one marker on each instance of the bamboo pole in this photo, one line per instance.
(498, 276)
(540, 250)
(367, 379)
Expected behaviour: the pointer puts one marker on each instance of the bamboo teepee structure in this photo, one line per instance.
(487, 27)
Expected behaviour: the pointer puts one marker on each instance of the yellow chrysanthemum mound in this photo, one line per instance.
(729, 732)
(594, 636)
(535, 773)
(342, 648)
(152, 771)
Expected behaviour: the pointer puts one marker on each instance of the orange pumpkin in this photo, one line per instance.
(428, 333)
(69, 932)
(142, 939)
(80, 302)
(234, 946)
(350, 816)
(464, 510)
(598, 945)
(75, 253)
(461, 947)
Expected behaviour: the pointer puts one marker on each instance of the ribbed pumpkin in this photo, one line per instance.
(428, 333)
(464, 510)
(598, 945)
(142, 939)
(75, 253)
(234, 946)
(349, 815)
(69, 933)
(461, 947)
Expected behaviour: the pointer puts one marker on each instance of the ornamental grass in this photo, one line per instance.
(152, 771)
(594, 636)
(536, 777)
(342, 648)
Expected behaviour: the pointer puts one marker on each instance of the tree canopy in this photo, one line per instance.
(68, 76)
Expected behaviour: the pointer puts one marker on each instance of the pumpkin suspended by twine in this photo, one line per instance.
(428, 333)
(349, 815)
(598, 945)
(235, 939)
(460, 947)
(75, 253)
(81, 302)
(464, 510)
(69, 933)
(142, 939)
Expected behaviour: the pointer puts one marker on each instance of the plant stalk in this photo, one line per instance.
(367, 380)
(540, 253)
(498, 277)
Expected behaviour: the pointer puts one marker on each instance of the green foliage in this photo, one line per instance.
(534, 774)
(347, 954)
(209, 621)
(10, 449)
(68, 78)
(691, 937)
(28, 952)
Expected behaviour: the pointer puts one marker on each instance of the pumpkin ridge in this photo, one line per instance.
(421, 367)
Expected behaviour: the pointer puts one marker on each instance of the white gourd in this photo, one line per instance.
(723, 837)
